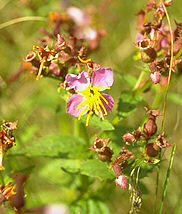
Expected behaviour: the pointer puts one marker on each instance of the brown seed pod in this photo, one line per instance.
(105, 155)
(151, 149)
(150, 128)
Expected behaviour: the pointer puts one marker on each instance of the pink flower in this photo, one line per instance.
(78, 16)
(88, 97)
(121, 181)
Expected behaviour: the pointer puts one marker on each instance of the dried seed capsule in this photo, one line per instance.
(151, 149)
(150, 127)
(105, 155)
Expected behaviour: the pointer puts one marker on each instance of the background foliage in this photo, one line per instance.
(48, 144)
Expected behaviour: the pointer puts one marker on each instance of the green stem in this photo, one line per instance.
(157, 184)
(158, 98)
(167, 178)
(22, 19)
(2, 179)
(4, 4)
(76, 127)
(140, 78)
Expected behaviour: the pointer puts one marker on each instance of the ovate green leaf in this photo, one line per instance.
(96, 168)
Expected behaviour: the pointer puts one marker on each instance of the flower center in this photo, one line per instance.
(94, 102)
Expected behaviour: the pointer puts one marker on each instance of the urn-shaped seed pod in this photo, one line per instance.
(148, 55)
(17, 201)
(105, 155)
(150, 127)
(151, 149)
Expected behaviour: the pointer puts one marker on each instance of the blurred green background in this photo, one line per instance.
(40, 110)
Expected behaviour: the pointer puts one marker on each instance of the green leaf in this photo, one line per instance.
(93, 207)
(80, 207)
(53, 173)
(96, 168)
(103, 208)
(97, 207)
(97, 122)
(127, 104)
(56, 145)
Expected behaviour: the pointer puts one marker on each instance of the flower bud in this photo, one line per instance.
(151, 149)
(155, 77)
(121, 181)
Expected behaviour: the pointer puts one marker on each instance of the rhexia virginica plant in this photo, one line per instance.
(99, 153)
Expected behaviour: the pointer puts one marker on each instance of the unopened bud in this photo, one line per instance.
(129, 138)
(151, 149)
(155, 77)
(121, 181)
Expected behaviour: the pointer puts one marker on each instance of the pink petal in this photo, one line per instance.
(110, 100)
(78, 16)
(108, 106)
(102, 77)
(72, 104)
(163, 43)
(91, 34)
(78, 82)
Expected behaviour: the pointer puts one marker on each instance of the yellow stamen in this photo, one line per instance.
(94, 102)
(40, 69)
(82, 112)
(84, 61)
(88, 117)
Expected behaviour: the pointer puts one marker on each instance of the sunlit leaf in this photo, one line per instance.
(96, 168)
